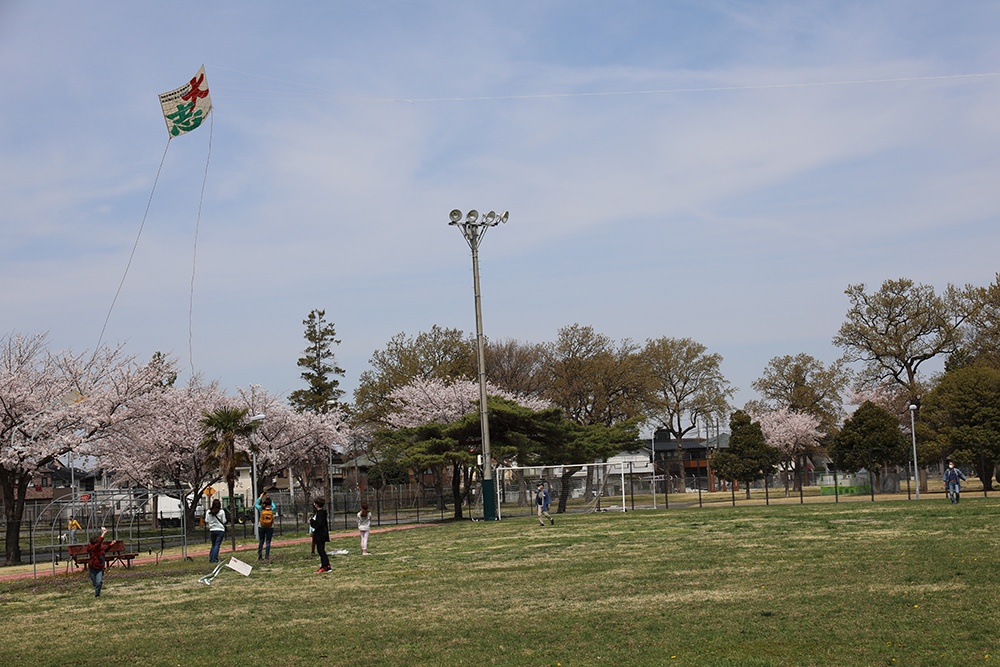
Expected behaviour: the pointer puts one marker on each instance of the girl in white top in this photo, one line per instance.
(215, 520)
(364, 527)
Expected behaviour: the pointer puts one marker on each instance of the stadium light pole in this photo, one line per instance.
(473, 228)
(913, 435)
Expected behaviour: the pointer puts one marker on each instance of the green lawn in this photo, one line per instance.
(888, 583)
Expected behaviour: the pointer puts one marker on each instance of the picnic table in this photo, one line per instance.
(115, 553)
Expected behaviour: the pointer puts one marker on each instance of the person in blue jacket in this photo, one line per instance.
(951, 482)
(542, 502)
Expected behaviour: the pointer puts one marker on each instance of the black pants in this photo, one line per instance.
(320, 545)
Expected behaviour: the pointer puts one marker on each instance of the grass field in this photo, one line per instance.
(889, 583)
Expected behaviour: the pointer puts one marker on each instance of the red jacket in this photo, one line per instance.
(96, 552)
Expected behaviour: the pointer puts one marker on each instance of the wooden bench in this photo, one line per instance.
(77, 555)
(115, 553)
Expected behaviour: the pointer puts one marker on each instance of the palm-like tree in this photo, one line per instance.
(222, 427)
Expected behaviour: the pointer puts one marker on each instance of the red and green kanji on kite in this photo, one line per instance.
(185, 108)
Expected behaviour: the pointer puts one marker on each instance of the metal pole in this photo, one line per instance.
(253, 493)
(474, 228)
(652, 460)
(253, 477)
(913, 434)
(489, 501)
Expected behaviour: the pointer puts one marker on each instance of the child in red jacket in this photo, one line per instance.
(95, 562)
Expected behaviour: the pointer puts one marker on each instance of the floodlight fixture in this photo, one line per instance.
(455, 216)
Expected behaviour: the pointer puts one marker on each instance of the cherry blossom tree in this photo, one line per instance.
(163, 450)
(440, 426)
(426, 401)
(55, 403)
(793, 434)
(288, 439)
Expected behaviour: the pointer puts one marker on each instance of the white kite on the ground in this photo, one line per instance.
(234, 564)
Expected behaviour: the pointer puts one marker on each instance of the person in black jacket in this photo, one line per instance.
(321, 534)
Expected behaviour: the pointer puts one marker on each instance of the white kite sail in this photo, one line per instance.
(185, 108)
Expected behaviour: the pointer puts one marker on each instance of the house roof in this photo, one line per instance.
(662, 442)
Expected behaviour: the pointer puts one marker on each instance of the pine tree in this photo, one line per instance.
(319, 366)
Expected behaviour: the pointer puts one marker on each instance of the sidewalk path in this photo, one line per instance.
(45, 570)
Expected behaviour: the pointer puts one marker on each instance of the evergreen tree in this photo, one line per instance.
(869, 439)
(319, 366)
(748, 457)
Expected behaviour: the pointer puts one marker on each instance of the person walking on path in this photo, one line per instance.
(95, 561)
(542, 502)
(321, 533)
(951, 482)
(266, 511)
(215, 520)
(364, 527)
(72, 526)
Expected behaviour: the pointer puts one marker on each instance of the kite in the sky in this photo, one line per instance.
(185, 108)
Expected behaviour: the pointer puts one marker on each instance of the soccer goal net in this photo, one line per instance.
(590, 487)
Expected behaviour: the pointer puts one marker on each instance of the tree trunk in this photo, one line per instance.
(522, 489)
(456, 488)
(231, 483)
(984, 471)
(438, 474)
(588, 492)
(564, 490)
(14, 486)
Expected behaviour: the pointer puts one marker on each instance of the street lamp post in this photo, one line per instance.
(913, 435)
(329, 464)
(253, 473)
(474, 228)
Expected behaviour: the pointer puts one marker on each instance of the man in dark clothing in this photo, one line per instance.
(321, 534)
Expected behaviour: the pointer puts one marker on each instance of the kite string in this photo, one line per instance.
(131, 256)
(194, 259)
(321, 92)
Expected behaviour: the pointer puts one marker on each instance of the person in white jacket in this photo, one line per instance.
(364, 527)
(215, 519)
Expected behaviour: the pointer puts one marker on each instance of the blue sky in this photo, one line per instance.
(714, 170)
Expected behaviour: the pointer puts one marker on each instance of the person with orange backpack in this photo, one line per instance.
(266, 512)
